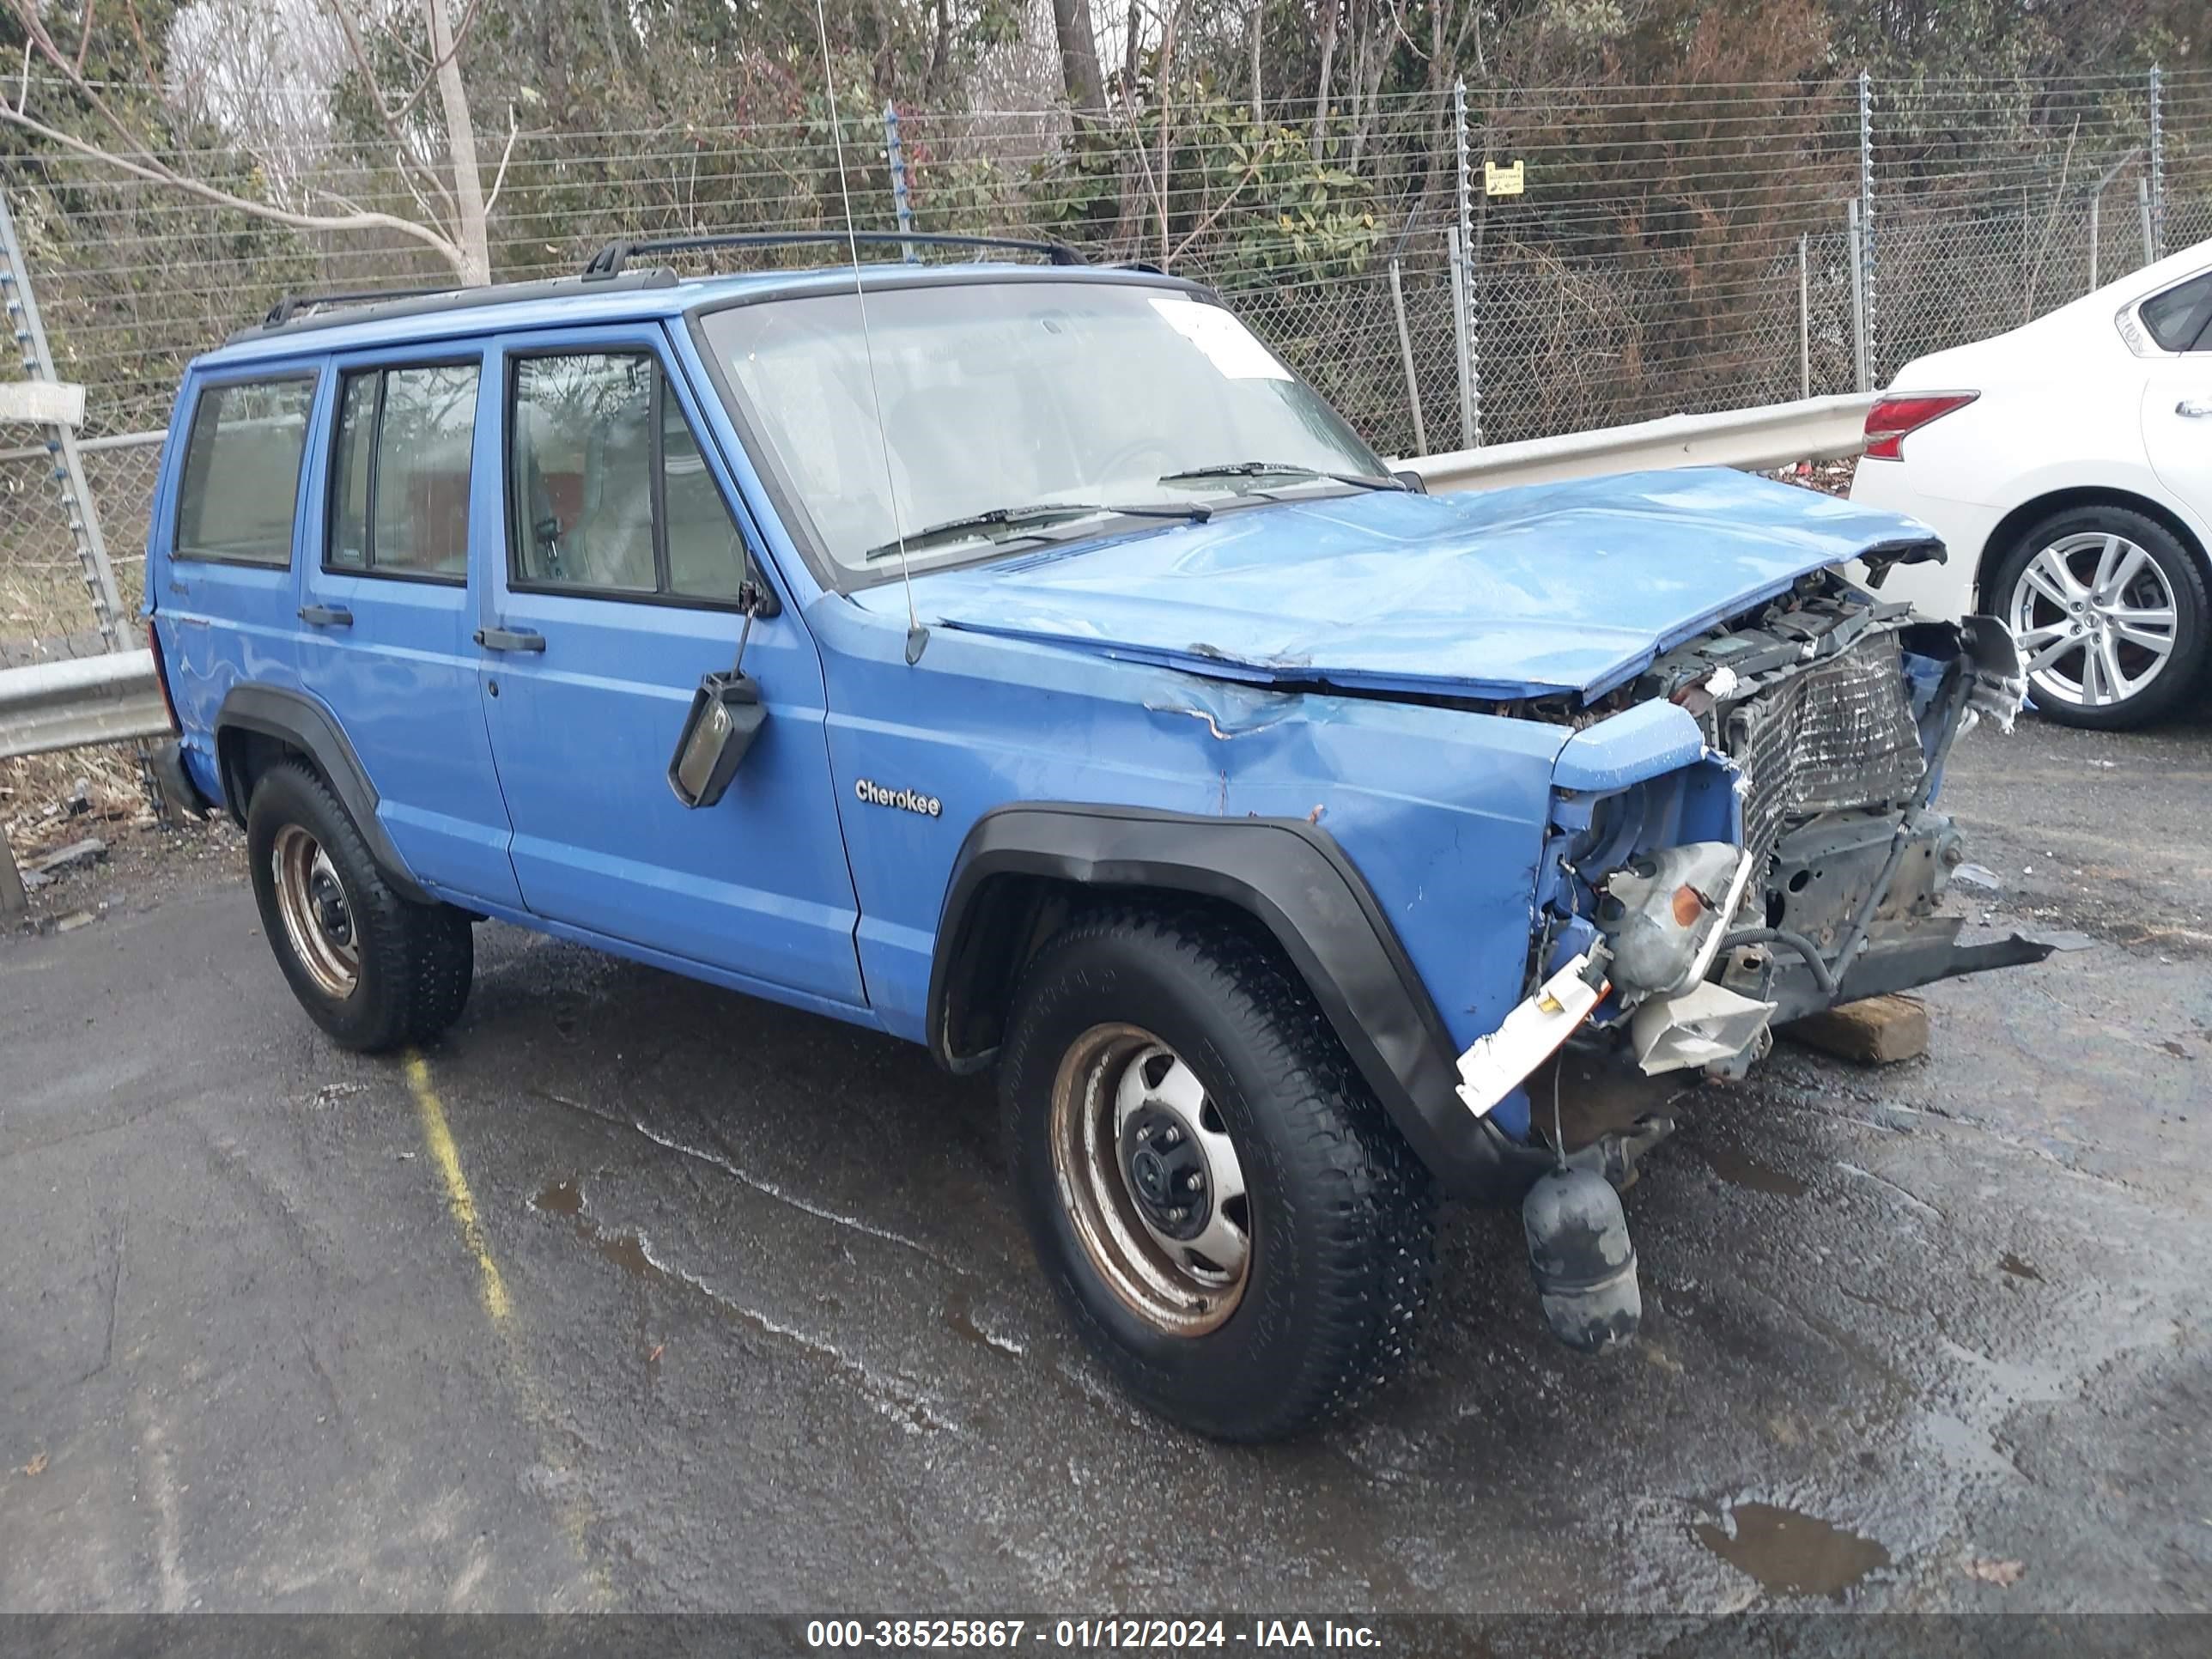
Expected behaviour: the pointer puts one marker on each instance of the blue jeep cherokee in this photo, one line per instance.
(1018, 659)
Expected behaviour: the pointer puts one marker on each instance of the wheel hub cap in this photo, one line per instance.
(1150, 1179)
(330, 913)
(2094, 618)
(317, 915)
(1166, 1166)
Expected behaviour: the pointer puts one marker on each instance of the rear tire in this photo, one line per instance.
(2113, 607)
(373, 967)
(1185, 1036)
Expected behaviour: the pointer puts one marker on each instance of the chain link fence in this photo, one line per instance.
(45, 610)
(1995, 205)
(1673, 249)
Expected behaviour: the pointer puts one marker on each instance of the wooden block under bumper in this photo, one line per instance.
(1873, 1032)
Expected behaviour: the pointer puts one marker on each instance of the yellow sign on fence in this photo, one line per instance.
(1503, 181)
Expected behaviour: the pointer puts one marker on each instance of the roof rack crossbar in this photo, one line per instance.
(610, 259)
(294, 305)
(299, 311)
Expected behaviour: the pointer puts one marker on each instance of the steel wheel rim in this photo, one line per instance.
(2095, 620)
(1118, 1094)
(316, 911)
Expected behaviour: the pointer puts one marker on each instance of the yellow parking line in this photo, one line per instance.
(458, 1199)
(571, 1508)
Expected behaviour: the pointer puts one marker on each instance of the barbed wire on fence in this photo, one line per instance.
(1674, 248)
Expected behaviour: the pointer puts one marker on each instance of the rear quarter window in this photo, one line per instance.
(2176, 318)
(240, 489)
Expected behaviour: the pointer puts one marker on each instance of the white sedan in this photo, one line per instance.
(2068, 467)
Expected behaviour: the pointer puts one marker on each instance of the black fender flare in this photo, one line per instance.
(300, 721)
(1292, 878)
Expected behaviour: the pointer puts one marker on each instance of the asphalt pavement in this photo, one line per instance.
(633, 1294)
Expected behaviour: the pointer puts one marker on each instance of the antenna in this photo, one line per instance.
(917, 636)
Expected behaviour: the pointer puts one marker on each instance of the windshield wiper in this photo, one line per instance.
(1276, 470)
(1014, 520)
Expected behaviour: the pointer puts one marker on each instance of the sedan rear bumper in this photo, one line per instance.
(1945, 592)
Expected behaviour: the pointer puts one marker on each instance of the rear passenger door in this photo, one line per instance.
(618, 588)
(387, 618)
(2176, 412)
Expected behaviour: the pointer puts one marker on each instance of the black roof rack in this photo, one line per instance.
(296, 312)
(297, 305)
(311, 310)
(609, 261)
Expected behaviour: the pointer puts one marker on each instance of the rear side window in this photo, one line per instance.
(2176, 319)
(609, 490)
(399, 504)
(240, 483)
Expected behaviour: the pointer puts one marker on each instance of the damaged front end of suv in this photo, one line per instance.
(1645, 761)
(1777, 853)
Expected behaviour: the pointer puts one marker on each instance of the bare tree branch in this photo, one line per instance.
(457, 236)
(356, 50)
(1213, 216)
(413, 167)
(338, 197)
(499, 178)
(2050, 221)
(431, 68)
(414, 189)
(151, 169)
(138, 35)
(1152, 186)
(34, 31)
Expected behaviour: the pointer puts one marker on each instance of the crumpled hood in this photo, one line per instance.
(1573, 586)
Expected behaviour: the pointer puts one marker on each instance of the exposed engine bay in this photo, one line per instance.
(1798, 864)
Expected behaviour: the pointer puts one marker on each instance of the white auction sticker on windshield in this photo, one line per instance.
(1228, 345)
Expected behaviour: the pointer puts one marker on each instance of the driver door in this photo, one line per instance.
(618, 590)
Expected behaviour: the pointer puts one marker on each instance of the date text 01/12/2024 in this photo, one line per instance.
(1170, 1634)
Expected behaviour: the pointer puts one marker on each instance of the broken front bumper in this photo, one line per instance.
(1926, 953)
(1850, 909)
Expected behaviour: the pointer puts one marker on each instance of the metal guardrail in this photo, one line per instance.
(109, 699)
(65, 705)
(1776, 435)
(90, 446)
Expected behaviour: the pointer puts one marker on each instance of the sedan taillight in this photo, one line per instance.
(1896, 413)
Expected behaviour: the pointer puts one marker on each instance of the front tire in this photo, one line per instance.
(2110, 613)
(372, 968)
(1230, 1222)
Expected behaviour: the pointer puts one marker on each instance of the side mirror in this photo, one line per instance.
(1413, 481)
(726, 715)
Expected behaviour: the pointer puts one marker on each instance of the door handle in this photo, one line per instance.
(327, 616)
(510, 639)
(2194, 409)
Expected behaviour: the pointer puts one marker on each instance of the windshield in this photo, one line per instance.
(1002, 398)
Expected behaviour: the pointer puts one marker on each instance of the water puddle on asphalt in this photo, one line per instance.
(1791, 1553)
(1741, 1169)
(560, 1198)
(625, 1250)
